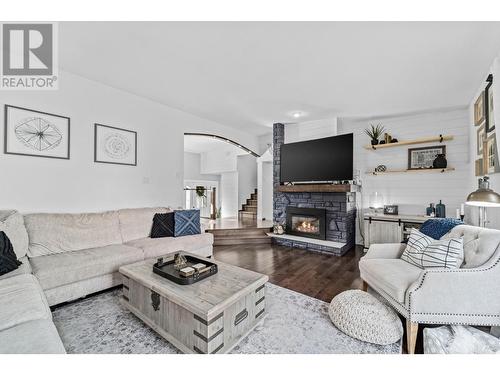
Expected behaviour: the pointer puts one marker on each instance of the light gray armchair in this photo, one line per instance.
(469, 295)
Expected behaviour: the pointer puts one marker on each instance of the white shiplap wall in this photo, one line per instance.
(413, 192)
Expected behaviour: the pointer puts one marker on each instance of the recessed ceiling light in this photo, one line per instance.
(297, 114)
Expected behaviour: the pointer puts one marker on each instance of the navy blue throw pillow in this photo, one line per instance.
(163, 225)
(8, 259)
(187, 222)
(437, 228)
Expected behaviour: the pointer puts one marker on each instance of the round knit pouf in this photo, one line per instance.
(362, 316)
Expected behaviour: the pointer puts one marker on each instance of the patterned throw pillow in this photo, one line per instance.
(424, 252)
(187, 222)
(163, 225)
(8, 259)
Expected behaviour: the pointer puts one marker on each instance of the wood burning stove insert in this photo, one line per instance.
(306, 222)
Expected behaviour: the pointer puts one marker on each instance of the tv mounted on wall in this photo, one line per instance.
(319, 160)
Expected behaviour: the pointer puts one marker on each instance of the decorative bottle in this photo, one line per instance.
(440, 209)
(430, 210)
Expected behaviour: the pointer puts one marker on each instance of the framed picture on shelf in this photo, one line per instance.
(115, 145)
(423, 157)
(35, 133)
(479, 114)
(480, 138)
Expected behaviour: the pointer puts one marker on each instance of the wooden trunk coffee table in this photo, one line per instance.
(210, 316)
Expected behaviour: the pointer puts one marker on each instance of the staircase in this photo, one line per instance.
(249, 210)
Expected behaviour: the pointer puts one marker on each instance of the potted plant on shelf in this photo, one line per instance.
(374, 132)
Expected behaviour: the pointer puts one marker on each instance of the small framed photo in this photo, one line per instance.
(479, 110)
(480, 138)
(114, 145)
(35, 133)
(423, 157)
(390, 209)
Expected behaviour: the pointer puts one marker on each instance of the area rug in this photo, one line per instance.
(295, 324)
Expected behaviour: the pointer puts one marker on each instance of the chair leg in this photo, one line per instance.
(411, 336)
(365, 286)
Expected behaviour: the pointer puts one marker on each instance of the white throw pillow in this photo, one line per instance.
(424, 252)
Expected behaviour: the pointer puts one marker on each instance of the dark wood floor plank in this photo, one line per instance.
(317, 275)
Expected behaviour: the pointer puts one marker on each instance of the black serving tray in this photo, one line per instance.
(167, 270)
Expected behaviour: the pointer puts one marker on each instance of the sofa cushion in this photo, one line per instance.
(34, 337)
(70, 267)
(21, 300)
(12, 223)
(136, 223)
(24, 268)
(479, 243)
(59, 233)
(157, 247)
(393, 276)
(163, 225)
(187, 223)
(8, 258)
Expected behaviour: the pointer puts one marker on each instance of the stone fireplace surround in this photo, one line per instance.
(340, 208)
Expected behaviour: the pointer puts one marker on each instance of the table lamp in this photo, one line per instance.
(483, 197)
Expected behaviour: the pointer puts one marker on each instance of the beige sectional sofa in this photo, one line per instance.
(68, 256)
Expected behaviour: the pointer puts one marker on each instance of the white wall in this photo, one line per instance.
(229, 194)
(247, 177)
(308, 130)
(414, 191)
(218, 161)
(264, 140)
(192, 169)
(32, 184)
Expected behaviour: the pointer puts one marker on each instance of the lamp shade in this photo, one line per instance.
(484, 196)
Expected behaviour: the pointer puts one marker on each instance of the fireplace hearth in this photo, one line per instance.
(306, 222)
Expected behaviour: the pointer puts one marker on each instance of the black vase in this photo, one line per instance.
(440, 162)
(374, 142)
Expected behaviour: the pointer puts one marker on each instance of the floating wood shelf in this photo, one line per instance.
(428, 170)
(439, 138)
(318, 188)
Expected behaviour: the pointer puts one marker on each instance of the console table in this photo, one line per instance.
(380, 228)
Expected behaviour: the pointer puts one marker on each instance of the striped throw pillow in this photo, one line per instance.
(424, 252)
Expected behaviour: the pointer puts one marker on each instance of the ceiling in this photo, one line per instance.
(249, 75)
(198, 144)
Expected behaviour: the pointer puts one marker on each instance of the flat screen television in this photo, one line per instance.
(319, 160)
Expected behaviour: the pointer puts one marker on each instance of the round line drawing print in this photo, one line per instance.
(38, 134)
(116, 146)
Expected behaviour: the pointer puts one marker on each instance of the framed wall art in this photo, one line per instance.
(492, 163)
(479, 113)
(480, 138)
(34, 133)
(423, 157)
(114, 145)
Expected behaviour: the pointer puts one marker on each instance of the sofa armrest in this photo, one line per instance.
(460, 296)
(385, 251)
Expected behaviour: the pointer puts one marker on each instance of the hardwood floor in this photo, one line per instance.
(316, 275)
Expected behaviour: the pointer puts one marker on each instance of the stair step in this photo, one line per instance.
(253, 196)
(248, 214)
(248, 233)
(248, 208)
(240, 241)
(251, 202)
